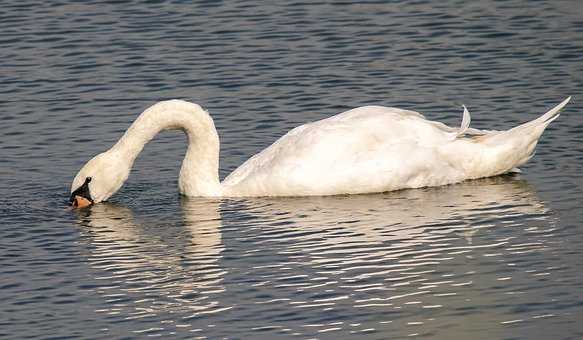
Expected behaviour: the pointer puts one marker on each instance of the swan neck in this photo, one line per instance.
(199, 171)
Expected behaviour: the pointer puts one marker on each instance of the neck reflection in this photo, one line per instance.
(154, 266)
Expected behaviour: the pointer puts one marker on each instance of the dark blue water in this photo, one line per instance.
(490, 259)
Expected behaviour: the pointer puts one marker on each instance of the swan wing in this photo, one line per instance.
(366, 149)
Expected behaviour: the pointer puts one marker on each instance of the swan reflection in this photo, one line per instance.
(403, 256)
(375, 219)
(387, 253)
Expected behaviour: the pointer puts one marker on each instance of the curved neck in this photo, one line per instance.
(199, 175)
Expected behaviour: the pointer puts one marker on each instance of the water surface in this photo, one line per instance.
(488, 259)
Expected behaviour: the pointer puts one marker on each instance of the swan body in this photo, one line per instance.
(363, 150)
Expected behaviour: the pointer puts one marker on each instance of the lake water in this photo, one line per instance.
(498, 258)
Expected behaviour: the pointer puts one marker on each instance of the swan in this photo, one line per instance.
(364, 150)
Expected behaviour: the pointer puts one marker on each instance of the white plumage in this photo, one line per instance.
(364, 150)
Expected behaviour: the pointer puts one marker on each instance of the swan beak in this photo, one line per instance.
(81, 197)
(79, 202)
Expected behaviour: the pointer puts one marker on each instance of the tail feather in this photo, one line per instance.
(465, 122)
(465, 125)
(545, 119)
(504, 151)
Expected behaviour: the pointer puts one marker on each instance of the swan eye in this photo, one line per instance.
(88, 179)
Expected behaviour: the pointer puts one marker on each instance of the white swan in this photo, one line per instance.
(364, 150)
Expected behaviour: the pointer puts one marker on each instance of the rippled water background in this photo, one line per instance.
(490, 259)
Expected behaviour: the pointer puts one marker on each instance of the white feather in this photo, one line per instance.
(466, 119)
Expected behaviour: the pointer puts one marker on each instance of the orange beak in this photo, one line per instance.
(80, 202)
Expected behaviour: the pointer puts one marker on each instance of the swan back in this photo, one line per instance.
(375, 149)
(367, 149)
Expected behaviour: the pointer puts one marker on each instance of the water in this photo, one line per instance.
(489, 259)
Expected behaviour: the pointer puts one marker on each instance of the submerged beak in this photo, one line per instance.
(80, 202)
(81, 197)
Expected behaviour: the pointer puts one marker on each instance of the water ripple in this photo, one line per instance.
(488, 259)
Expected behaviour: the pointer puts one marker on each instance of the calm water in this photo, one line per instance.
(489, 259)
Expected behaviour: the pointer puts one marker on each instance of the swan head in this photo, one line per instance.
(100, 178)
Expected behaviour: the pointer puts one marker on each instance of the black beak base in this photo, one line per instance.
(82, 191)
